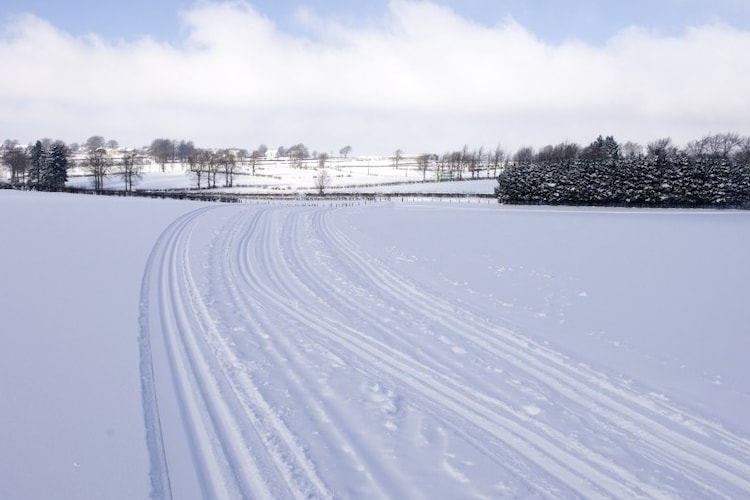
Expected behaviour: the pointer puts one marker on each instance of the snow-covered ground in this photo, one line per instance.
(280, 177)
(371, 350)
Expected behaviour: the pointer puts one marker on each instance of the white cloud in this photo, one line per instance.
(423, 78)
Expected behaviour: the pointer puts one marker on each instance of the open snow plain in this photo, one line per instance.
(334, 350)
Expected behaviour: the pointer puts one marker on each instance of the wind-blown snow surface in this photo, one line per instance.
(402, 351)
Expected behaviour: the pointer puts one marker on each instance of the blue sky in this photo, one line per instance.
(376, 74)
(551, 20)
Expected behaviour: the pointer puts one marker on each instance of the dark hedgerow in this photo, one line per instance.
(674, 181)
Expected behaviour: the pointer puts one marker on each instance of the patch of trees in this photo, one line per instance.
(297, 154)
(206, 165)
(711, 172)
(103, 159)
(17, 161)
(453, 165)
(42, 166)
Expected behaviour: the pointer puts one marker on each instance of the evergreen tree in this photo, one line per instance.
(602, 149)
(55, 172)
(36, 165)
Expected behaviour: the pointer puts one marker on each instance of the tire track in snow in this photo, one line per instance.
(159, 469)
(251, 253)
(227, 439)
(267, 271)
(551, 451)
(685, 453)
(563, 465)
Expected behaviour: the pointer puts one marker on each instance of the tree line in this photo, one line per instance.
(713, 171)
(44, 165)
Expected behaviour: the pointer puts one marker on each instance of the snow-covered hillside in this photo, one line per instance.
(282, 177)
(334, 349)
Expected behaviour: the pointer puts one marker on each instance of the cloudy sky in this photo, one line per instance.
(377, 75)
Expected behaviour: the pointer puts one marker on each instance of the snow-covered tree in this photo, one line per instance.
(36, 164)
(603, 148)
(55, 172)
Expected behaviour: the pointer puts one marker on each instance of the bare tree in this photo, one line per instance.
(723, 145)
(345, 151)
(94, 142)
(545, 154)
(130, 171)
(464, 161)
(17, 161)
(198, 165)
(162, 150)
(255, 157)
(322, 159)
(211, 161)
(184, 150)
(715, 146)
(396, 157)
(697, 148)
(228, 162)
(524, 154)
(455, 164)
(567, 151)
(297, 154)
(661, 148)
(112, 144)
(442, 167)
(631, 149)
(322, 181)
(423, 163)
(742, 155)
(562, 152)
(498, 155)
(475, 161)
(98, 165)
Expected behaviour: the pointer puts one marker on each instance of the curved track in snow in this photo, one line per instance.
(282, 360)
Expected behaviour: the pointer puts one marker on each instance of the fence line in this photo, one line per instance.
(200, 195)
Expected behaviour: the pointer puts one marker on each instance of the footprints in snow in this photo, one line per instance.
(387, 402)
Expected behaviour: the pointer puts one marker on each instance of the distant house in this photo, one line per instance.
(272, 154)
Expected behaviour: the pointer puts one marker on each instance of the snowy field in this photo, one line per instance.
(280, 177)
(405, 350)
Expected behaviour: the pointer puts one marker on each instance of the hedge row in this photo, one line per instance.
(679, 181)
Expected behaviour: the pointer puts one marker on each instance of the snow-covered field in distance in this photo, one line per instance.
(371, 350)
(281, 177)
